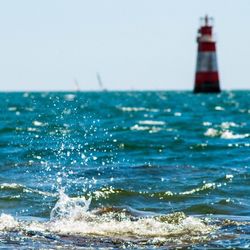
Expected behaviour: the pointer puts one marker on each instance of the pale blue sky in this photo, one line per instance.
(134, 44)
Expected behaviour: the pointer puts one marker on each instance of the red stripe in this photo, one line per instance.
(202, 77)
(206, 30)
(206, 46)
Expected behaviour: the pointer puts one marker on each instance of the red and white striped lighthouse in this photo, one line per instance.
(207, 76)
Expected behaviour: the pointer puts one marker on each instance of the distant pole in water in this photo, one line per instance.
(100, 82)
(207, 76)
(77, 85)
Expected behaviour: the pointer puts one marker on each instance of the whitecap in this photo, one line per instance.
(69, 97)
(229, 176)
(219, 108)
(149, 227)
(139, 128)
(227, 125)
(7, 222)
(12, 108)
(151, 129)
(204, 187)
(224, 134)
(32, 129)
(207, 124)
(26, 189)
(211, 132)
(10, 186)
(136, 109)
(37, 123)
(72, 216)
(155, 129)
(229, 135)
(151, 122)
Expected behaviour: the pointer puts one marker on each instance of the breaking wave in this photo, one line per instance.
(23, 189)
(72, 216)
(109, 192)
(223, 130)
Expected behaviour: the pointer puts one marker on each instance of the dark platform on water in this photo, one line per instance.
(207, 87)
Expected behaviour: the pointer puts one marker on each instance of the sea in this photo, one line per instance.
(125, 170)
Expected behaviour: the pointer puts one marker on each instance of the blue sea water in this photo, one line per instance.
(124, 169)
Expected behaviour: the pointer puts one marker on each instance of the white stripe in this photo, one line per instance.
(206, 61)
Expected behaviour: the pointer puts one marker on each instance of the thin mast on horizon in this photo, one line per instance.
(77, 85)
(100, 83)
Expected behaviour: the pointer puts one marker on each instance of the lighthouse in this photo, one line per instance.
(207, 75)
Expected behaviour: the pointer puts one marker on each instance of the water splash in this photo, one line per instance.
(69, 208)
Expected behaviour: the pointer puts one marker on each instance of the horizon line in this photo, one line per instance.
(113, 90)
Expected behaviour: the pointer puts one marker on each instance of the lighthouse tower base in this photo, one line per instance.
(207, 87)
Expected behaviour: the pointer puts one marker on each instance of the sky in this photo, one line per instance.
(134, 44)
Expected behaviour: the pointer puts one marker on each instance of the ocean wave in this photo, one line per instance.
(7, 222)
(206, 186)
(72, 219)
(108, 192)
(151, 122)
(219, 108)
(227, 125)
(72, 216)
(223, 131)
(115, 228)
(150, 129)
(12, 108)
(38, 123)
(137, 109)
(224, 134)
(230, 135)
(24, 189)
(109, 225)
(69, 97)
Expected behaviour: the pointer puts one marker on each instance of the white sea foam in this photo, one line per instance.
(227, 125)
(151, 122)
(137, 109)
(152, 126)
(207, 123)
(143, 227)
(219, 108)
(104, 192)
(26, 189)
(211, 132)
(155, 129)
(204, 187)
(12, 108)
(32, 129)
(229, 176)
(230, 135)
(69, 208)
(224, 134)
(7, 222)
(150, 129)
(10, 185)
(139, 128)
(38, 124)
(72, 216)
(69, 97)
